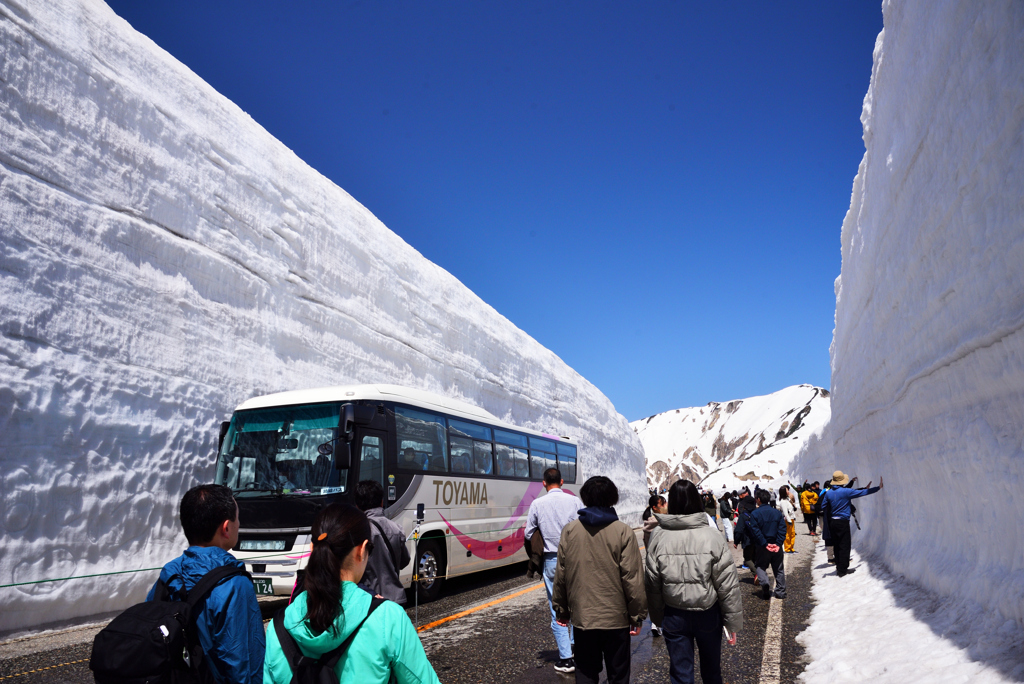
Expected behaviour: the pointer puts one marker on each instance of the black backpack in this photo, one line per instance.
(155, 642)
(306, 670)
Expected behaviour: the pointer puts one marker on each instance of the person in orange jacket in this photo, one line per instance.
(808, 500)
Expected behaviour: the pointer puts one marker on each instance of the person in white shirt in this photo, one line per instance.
(787, 504)
(549, 514)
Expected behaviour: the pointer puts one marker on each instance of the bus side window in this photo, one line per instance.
(567, 461)
(462, 455)
(567, 466)
(483, 459)
(422, 440)
(505, 457)
(522, 463)
(539, 462)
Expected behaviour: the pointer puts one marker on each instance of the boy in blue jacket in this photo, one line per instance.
(768, 527)
(229, 625)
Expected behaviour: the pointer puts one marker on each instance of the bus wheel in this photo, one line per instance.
(430, 568)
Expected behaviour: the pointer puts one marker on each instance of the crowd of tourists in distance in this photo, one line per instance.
(344, 621)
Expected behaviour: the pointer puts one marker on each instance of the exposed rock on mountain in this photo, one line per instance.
(732, 443)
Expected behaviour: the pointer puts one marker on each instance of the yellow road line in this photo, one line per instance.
(464, 613)
(41, 669)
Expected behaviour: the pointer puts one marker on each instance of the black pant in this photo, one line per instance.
(839, 530)
(681, 629)
(812, 522)
(593, 645)
(775, 560)
(748, 555)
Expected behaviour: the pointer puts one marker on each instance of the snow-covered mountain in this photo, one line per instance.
(928, 349)
(162, 259)
(733, 443)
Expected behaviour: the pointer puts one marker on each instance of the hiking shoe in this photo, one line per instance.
(565, 665)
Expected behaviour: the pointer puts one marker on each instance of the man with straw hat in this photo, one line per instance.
(837, 503)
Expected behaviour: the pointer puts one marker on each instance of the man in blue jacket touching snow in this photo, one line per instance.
(768, 527)
(229, 626)
(839, 510)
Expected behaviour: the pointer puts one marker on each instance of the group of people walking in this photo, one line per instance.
(346, 618)
(601, 590)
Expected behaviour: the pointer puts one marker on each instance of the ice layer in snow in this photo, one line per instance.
(164, 258)
(734, 443)
(928, 349)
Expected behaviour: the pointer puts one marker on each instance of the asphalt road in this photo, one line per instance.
(513, 643)
(501, 634)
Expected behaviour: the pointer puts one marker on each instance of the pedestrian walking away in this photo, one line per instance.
(692, 587)
(335, 625)
(725, 509)
(657, 505)
(550, 514)
(230, 626)
(599, 585)
(745, 507)
(839, 510)
(787, 506)
(808, 501)
(768, 527)
(391, 553)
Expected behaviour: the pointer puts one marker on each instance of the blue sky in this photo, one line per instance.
(652, 190)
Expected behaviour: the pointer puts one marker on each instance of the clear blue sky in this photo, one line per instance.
(652, 190)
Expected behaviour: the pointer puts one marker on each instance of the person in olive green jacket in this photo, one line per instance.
(692, 586)
(332, 607)
(599, 584)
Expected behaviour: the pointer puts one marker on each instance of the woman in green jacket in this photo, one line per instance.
(332, 607)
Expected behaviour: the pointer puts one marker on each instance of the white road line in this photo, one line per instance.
(770, 660)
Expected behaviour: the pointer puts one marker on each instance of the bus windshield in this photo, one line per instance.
(275, 450)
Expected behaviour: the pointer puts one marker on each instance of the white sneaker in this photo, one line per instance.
(565, 665)
(655, 630)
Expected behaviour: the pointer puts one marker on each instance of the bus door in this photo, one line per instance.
(369, 451)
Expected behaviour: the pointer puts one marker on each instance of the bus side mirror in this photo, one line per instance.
(343, 458)
(223, 433)
(348, 422)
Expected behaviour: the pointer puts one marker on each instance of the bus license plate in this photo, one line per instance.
(264, 586)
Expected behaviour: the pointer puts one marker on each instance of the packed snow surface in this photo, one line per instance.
(162, 259)
(928, 349)
(735, 443)
(893, 631)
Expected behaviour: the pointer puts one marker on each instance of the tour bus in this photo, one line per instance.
(288, 455)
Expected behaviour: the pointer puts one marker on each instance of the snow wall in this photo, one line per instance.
(164, 258)
(928, 350)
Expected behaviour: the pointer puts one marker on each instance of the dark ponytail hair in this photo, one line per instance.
(684, 499)
(655, 500)
(342, 528)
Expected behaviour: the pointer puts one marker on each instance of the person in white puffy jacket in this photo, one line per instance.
(787, 504)
(692, 586)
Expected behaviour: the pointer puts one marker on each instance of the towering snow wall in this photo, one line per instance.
(928, 353)
(162, 259)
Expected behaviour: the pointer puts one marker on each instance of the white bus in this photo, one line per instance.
(288, 455)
